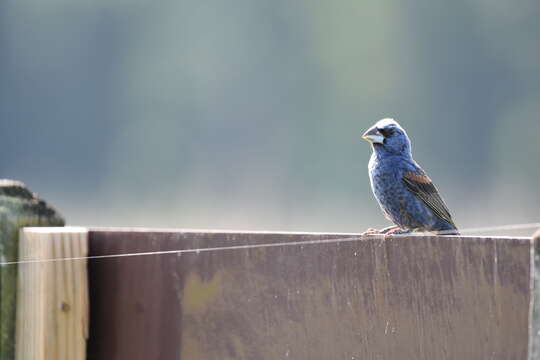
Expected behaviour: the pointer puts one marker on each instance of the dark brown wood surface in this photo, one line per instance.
(377, 298)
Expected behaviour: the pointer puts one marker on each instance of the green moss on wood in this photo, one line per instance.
(19, 207)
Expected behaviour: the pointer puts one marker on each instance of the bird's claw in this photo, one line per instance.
(387, 231)
(397, 231)
(371, 231)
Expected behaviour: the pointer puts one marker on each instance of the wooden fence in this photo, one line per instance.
(278, 296)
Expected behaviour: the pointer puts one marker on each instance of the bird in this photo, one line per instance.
(405, 193)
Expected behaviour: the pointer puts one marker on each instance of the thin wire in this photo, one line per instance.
(267, 245)
(185, 251)
(502, 227)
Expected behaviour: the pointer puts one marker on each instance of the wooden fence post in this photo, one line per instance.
(19, 207)
(52, 297)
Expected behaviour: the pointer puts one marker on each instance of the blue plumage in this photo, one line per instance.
(405, 193)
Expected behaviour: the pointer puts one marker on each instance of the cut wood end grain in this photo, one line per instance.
(56, 230)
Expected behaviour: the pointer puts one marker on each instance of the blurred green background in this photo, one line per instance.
(248, 114)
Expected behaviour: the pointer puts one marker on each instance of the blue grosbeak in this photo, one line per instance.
(405, 193)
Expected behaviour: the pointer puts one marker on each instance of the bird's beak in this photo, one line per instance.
(373, 136)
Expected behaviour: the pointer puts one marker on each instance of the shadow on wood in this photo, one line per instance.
(415, 298)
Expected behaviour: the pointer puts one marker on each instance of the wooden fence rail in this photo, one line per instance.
(423, 297)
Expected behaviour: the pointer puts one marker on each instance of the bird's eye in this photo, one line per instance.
(386, 132)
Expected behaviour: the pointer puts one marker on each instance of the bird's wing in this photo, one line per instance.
(422, 187)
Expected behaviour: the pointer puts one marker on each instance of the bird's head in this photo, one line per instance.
(388, 136)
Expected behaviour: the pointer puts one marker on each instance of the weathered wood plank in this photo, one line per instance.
(534, 341)
(377, 298)
(52, 305)
(19, 207)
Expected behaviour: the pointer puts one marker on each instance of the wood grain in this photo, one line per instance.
(52, 306)
(422, 297)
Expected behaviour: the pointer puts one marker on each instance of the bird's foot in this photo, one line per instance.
(389, 229)
(371, 231)
(398, 231)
